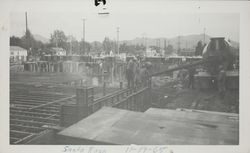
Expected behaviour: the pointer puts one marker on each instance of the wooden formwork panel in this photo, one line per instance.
(232, 82)
(70, 114)
(205, 82)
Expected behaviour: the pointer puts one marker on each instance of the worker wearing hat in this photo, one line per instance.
(221, 80)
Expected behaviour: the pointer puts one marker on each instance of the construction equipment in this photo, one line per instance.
(217, 52)
(220, 51)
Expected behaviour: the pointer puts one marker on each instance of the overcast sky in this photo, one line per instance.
(132, 24)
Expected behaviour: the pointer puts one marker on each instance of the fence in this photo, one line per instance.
(130, 99)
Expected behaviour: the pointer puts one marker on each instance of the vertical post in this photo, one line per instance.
(81, 82)
(84, 99)
(26, 20)
(179, 45)
(75, 83)
(104, 88)
(149, 98)
(81, 98)
(90, 99)
(83, 35)
(204, 36)
(81, 102)
(121, 84)
(118, 52)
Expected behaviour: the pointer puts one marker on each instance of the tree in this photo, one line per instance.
(108, 45)
(156, 48)
(15, 41)
(27, 40)
(199, 48)
(169, 50)
(59, 39)
(132, 49)
(73, 46)
(33, 46)
(85, 47)
(124, 48)
(96, 46)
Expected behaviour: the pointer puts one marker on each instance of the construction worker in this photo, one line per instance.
(221, 80)
(130, 73)
(191, 73)
(137, 78)
(144, 73)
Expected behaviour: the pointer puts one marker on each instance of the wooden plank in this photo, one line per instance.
(30, 123)
(19, 134)
(53, 102)
(14, 139)
(37, 110)
(35, 101)
(40, 99)
(31, 106)
(40, 119)
(28, 127)
(39, 93)
(25, 103)
(18, 104)
(25, 108)
(24, 128)
(52, 116)
(25, 139)
(50, 96)
(31, 113)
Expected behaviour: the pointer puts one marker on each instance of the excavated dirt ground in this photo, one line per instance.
(175, 95)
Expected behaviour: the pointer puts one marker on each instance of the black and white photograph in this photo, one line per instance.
(137, 77)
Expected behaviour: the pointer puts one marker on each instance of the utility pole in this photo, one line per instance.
(83, 35)
(26, 20)
(70, 48)
(144, 41)
(27, 35)
(165, 47)
(70, 39)
(179, 44)
(165, 44)
(118, 52)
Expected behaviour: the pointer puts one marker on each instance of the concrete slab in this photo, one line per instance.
(155, 126)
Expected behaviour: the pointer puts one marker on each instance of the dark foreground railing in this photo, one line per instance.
(129, 99)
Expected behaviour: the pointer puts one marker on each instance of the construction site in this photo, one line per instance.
(77, 100)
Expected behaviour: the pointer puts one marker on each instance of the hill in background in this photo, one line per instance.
(188, 41)
(41, 38)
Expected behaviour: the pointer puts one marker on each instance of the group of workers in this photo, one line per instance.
(137, 73)
(221, 80)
